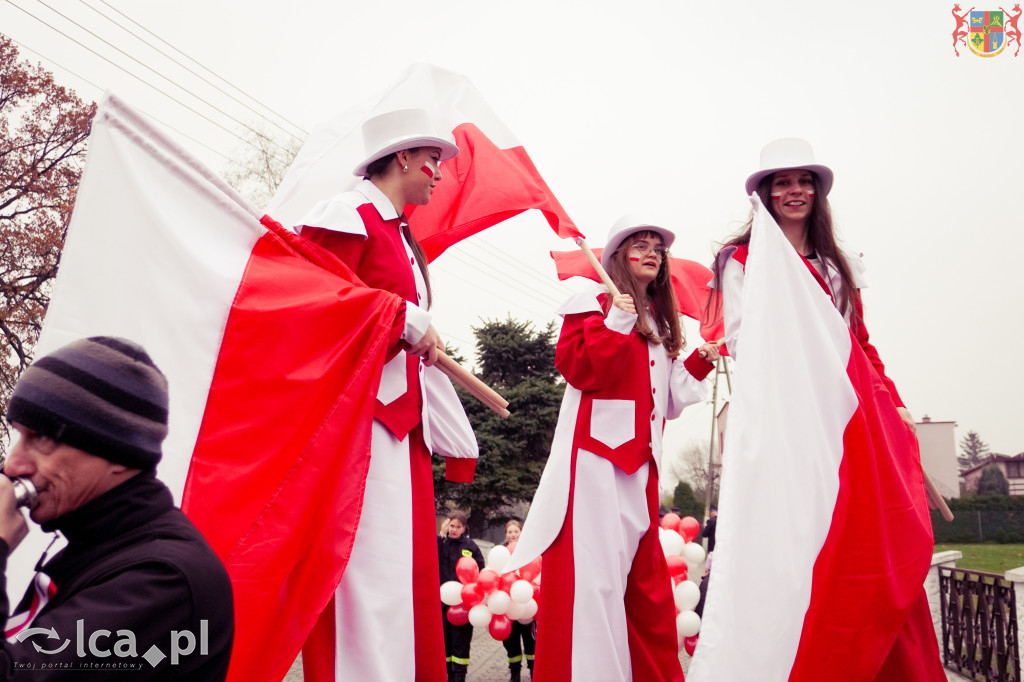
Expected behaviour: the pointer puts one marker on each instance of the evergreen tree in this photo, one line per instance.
(973, 451)
(992, 482)
(519, 363)
(687, 503)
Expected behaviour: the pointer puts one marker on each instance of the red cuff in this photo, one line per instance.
(459, 469)
(698, 366)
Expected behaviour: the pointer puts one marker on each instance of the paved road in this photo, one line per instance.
(488, 662)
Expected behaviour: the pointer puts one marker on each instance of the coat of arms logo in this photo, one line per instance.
(986, 32)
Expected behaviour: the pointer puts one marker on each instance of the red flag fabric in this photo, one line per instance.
(689, 280)
(823, 538)
(491, 180)
(272, 349)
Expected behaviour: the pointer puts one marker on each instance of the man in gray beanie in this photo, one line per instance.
(137, 588)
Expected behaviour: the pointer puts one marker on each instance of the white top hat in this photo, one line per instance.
(786, 154)
(394, 131)
(627, 225)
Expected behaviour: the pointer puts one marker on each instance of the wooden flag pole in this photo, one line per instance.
(582, 243)
(481, 391)
(935, 498)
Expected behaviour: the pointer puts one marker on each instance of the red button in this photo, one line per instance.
(654, 390)
(652, 363)
(652, 417)
(412, 261)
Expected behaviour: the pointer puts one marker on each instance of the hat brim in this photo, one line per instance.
(824, 174)
(616, 239)
(448, 150)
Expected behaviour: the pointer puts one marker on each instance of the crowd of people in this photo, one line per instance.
(91, 417)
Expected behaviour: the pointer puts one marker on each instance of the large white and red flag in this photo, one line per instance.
(492, 179)
(824, 537)
(272, 350)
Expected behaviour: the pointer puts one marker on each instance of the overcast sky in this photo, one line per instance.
(662, 108)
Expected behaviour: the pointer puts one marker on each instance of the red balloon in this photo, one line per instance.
(466, 570)
(471, 595)
(536, 593)
(670, 521)
(487, 581)
(506, 580)
(676, 565)
(690, 643)
(688, 528)
(530, 570)
(500, 627)
(458, 614)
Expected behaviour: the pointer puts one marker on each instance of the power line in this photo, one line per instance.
(118, 66)
(199, 76)
(101, 89)
(232, 85)
(146, 66)
(506, 282)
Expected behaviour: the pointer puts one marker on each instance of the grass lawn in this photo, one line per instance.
(987, 557)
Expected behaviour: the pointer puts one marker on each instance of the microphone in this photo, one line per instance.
(24, 493)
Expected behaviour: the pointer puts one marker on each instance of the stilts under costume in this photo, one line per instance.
(383, 622)
(608, 607)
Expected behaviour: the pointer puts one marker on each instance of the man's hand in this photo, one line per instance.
(428, 346)
(13, 527)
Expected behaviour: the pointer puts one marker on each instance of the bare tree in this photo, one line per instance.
(694, 463)
(262, 164)
(43, 133)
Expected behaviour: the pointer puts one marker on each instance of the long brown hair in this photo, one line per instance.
(379, 167)
(658, 295)
(821, 239)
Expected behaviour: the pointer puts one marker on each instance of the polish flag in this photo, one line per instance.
(824, 537)
(271, 349)
(689, 279)
(492, 179)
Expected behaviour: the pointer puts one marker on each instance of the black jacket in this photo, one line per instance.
(137, 586)
(450, 551)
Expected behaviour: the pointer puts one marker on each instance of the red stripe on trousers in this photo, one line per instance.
(648, 602)
(318, 652)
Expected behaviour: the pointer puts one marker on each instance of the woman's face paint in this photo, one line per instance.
(792, 195)
(430, 169)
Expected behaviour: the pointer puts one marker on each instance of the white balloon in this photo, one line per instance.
(451, 592)
(526, 621)
(672, 542)
(516, 611)
(693, 553)
(531, 609)
(687, 623)
(687, 595)
(499, 602)
(521, 591)
(498, 557)
(480, 616)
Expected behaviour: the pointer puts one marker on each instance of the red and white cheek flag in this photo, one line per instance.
(492, 179)
(271, 350)
(824, 537)
(689, 279)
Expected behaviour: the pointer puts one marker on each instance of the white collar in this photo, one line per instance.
(379, 200)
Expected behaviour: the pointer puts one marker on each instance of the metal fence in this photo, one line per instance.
(979, 625)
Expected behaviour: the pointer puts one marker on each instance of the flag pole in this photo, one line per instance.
(481, 391)
(601, 272)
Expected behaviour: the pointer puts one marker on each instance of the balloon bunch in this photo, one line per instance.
(489, 598)
(684, 557)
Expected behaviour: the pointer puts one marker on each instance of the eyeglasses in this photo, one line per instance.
(644, 248)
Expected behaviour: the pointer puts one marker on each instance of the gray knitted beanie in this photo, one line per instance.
(102, 395)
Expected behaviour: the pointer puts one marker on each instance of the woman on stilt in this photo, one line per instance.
(607, 607)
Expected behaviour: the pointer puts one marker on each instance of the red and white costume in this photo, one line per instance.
(733, 260)
(383, 623)
(608, 610)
